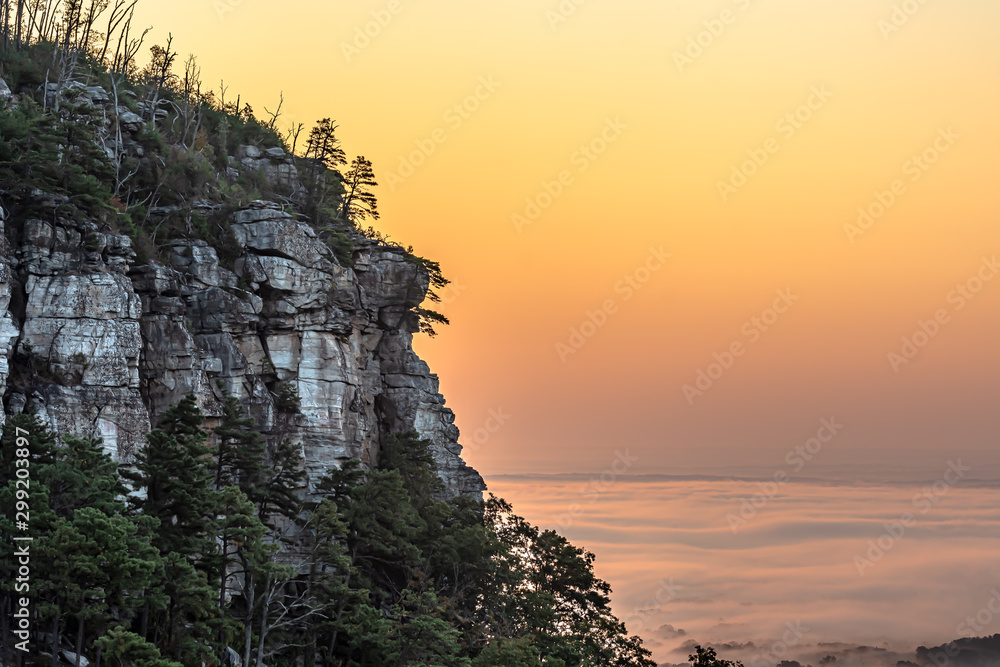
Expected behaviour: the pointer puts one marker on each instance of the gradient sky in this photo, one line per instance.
(668, 132)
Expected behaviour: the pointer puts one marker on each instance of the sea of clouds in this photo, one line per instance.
(832, 564)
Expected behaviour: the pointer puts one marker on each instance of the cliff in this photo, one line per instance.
(318, 350)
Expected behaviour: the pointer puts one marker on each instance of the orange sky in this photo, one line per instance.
(663, 132)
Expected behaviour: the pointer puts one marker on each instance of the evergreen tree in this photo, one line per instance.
(324, 146)
(174, 480)
(172, 470)
(326, 157)
(239, 534)
(239, 452)
(283, 478)
(127, 649)
(358, 201)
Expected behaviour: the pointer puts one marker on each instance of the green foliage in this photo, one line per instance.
(427, 318)
(393, 572)
(359, 201)
(121, 648)
(239, 451)
(55, 153)
(173, 469)
(286, 399)
(91, 560)
(341, 243)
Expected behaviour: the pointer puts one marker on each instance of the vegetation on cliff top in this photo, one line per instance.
(157, 155)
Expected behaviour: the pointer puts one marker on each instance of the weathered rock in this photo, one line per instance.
(8, 331)
(112, 346)
(277, 166)
(98, 95)
(129, 121)
(200, 261)
(251, 152)
(71, 658)
(85, 332)
(6, 97)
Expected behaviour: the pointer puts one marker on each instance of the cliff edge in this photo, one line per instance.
(317, 349)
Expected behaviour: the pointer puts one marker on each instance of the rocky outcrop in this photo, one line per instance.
(275, 164)
(319, 353)
(104, 346)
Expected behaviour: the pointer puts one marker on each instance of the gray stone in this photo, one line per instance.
(115, 345)
(6, 97)
(71, 658)
(129, 121)
(251, 152)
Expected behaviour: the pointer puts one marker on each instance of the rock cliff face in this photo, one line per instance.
(99, 345)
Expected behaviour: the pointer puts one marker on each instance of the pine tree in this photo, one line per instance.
(283, 477)
(240, 536)
(359, 201)
(89, 479)
(172, 470)
(173, 474)
(324, 146)
(239, 452)
(127, 649)
(327, 156)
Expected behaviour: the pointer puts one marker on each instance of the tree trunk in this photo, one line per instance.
(5, 610)
(100, 633)
(247, 625)
(342, 604)
(263, 623)
(222, 598)
(79, 640)
(19, 20)
(55, 639)
(144, 624)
